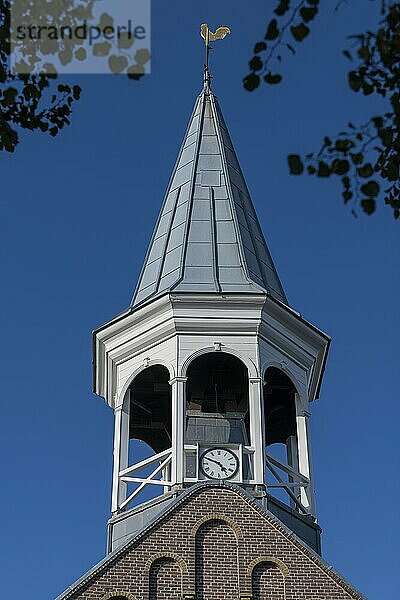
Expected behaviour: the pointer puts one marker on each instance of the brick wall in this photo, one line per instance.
(268, 582)
(215, 544)
(216, 562)
(165, 580)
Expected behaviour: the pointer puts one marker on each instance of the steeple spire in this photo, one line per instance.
(207, 237)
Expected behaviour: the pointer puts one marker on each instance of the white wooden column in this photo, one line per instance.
(121, 451)
(257, 428)
(178, 419)
(293, 461)
(304, 455)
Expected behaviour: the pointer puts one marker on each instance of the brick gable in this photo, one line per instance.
(215, 543)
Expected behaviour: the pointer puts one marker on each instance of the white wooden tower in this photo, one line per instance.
(209, 367)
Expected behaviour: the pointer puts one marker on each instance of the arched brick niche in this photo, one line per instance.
(165, 578)
(268, 579)
(216, 555)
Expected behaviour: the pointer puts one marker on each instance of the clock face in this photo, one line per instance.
(219, 463)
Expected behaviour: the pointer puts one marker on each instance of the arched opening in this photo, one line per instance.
(216, 561)
(267, 582)
(150, 433)
(217, 383)
(165, 580)
(217, 413)
(280, 430)
(150, 408)
(217, 399)
(279, 405)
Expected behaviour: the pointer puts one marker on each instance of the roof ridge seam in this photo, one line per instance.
(214, 239)
(229, 187)
(168, 236)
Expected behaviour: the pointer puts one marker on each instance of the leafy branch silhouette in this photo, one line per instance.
(365, 157)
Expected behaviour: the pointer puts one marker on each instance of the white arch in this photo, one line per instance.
(151, 363)
(301, 391)
(251, 367)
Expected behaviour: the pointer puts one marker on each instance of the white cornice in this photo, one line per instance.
(207, 314)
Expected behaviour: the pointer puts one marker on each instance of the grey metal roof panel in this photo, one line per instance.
(207, 236)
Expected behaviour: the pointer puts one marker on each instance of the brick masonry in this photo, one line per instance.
(216, 544)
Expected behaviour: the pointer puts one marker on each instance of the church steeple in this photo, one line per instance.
(211, 377)
(209, 370)
(207, 237)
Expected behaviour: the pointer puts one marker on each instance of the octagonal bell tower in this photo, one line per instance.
(209, 372)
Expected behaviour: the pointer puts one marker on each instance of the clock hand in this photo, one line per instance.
(221, 466)
(214, 461)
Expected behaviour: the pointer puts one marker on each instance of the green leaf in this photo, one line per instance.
(323, 170)
(393, 170)
(371, 188)
(251, 82)
(368, 205)
(386, 136)
(76, 91)
(343, 145)
(366, 170)
(50, 70)
(347, 195)
(80, 54)
(367, 89)
(308, 13)
(346, 182)
(101, 49)
(260, 47)
(300, 31)
(9, 96)
(256, 63)
(282, 7)
(355, 81)
(126, 40)
(377, 121)
(272, 30)
(106, 21)
(296, 166)
(272, 79)
(311, 170)
(117, 63)
(142, 56)
(357, 158)
(340, 167)
(49, 46)
(364, 53)
(65, 56)
(135, 71)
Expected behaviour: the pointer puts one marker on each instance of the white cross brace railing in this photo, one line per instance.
(300, 480)
(126, 475)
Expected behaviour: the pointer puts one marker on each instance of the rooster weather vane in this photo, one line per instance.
(210, 36)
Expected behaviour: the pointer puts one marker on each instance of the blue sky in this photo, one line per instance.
(77, 214)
